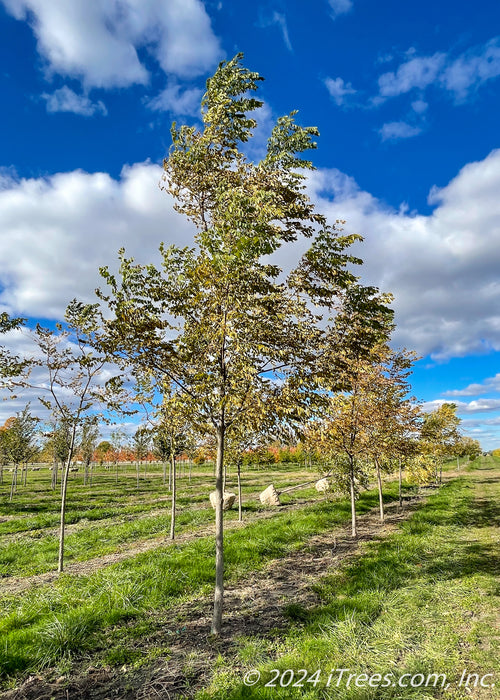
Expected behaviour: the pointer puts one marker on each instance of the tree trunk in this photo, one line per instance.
(458, 464)
(440, 472)
(400, 486)
(116, 470)
(54, 475)
(13, 486)
(190, 464)
(137, 467)
(170, 475)
(380, 495)
(240, 514)
(164, 472)
(174, 488)
(60, 561)
(353, 500)
(219, 534)
(1, 474)
(91, 474)
(25, 474)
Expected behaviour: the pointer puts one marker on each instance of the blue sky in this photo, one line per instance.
(406, 97)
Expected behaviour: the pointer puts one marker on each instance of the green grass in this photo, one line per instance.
(422, 601)
(89, 608)
(110, 515)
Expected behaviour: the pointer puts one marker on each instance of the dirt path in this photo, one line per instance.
(253, 606)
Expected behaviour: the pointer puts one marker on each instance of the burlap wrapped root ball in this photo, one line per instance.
(228, 500)
(270, 497)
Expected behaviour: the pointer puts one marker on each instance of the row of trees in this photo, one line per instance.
(219, 342)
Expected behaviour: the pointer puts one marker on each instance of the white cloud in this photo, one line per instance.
(97, 41)
(338, 89)
(340, 7)
(472, 69)
(66, 100)
(419, 106)
(70, 224)
(394, 131)
(442, 268)
(479, 406)
(415, 73)
(177, 101)
(456, 76)
(278, 19)
(491, 384)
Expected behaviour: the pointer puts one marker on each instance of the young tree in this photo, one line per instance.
(141, 440)
(218, 321)
(172, 429)
(88, 443)
(439, 435)
(67, 371)
(388, 412)
(20, 442)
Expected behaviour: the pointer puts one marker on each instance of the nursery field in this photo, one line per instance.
(409, 609)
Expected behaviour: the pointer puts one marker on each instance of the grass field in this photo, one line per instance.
(416, 596)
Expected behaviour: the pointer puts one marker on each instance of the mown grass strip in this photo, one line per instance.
(45, 626)
(423, 601)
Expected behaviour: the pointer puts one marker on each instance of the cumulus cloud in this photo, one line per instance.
(97, 41)
(340, 7)
(456, 76)
(491, 384)
(177, 101)
(415, 73)
(57, 231)
(479, 406)
(338, 89)
(395, 131)
(442, 268)
(66, 100)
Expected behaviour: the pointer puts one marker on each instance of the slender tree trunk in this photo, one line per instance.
(219, 533)
(137, 468)
(240, 509)
(174, 489)
(380, 494)
(25, 474)
(54, 475)
(353, 500)
(145, 468)
(400, 486)
(458, 464)
(164, 472)
(440, 472)
(62, 524)
(13, 486)
(116, 472)
(170, 475)
(190, 465)
(1, 474)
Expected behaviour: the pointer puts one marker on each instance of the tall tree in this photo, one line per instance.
(218, 321)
